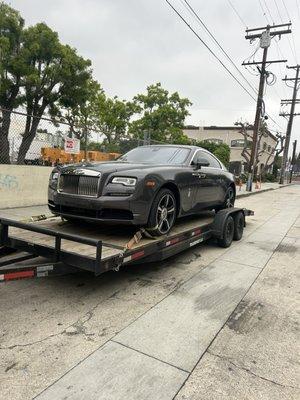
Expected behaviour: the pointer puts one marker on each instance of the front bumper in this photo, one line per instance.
(111, 209)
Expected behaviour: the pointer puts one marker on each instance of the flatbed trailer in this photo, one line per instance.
(98, 248)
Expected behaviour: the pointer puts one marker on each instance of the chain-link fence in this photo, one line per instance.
(26, 139)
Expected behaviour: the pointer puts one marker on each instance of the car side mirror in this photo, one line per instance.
(200, 162)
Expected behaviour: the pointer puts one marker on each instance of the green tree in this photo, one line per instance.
(220, 150)
(12, 69)
(162, 115)
(112, 117)
(80, 113)
(56, 75)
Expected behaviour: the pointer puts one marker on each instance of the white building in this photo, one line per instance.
(231, 136)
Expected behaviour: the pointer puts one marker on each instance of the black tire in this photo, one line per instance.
(228, 201)
(228, 232)
(239, 223)
(163, 213)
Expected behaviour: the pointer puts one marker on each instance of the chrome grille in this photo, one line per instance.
(81, 185)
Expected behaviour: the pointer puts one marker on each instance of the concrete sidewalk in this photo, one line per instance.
(70, 334)
(24, 213)
(230, 331)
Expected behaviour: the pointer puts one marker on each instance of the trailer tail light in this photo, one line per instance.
(8, 276)
(172, 241)
(134, 256)
(196, 232)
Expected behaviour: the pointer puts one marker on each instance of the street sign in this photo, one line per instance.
(72, 145)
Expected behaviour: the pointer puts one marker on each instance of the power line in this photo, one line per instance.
(278, 12)
(267, 19)
(237, 13)
(298, 8)
(286, 10)
(218, 59)
(279, 54)
(195, 14)
(209, 49)
(277, 45)
(267, 7)
(264, 12)
(293, 50)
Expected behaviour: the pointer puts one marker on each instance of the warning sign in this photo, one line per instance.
(72, 145)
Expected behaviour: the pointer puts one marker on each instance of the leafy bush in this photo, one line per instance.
(269, 178)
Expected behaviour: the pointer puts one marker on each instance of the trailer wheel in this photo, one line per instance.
(228, 232)
(239, 223)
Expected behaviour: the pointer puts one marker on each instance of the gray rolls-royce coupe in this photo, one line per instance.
(148, 186)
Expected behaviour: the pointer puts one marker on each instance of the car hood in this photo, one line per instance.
(107, 167)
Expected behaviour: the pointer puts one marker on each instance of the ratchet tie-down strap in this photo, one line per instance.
(137, 237)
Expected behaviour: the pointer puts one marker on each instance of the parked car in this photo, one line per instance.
(148, 186)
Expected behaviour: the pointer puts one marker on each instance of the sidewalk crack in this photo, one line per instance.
(227, 359)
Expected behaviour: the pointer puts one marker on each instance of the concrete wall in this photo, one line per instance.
(23, 185)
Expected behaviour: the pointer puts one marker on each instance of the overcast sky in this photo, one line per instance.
(134, 43)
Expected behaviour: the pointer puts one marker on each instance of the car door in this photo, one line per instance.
(209, 189)
(187, 181)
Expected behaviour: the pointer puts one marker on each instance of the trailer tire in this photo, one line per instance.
(239, 223)
(228, 232)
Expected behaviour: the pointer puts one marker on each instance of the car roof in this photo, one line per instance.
(183, 146)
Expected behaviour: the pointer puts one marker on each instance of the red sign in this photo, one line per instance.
(72, 145)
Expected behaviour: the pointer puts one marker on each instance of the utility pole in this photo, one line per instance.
(264, 34)
(293, 161)
(292, 102)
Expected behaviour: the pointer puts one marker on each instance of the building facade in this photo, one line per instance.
(231, 136)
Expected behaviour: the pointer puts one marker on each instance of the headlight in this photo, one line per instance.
(124, 181)
(53, 180)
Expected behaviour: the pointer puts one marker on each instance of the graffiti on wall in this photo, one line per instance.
(9, 182)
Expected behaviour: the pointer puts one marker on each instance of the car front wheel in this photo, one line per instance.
(228, 201)
(163, 213)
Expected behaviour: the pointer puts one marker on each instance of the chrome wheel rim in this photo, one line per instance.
(229, 202)
(165, 213)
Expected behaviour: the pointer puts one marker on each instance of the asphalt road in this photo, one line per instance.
(210, 323)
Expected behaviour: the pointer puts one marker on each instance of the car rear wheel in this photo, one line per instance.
(163, 213)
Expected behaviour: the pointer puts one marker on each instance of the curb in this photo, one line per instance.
(260, 191)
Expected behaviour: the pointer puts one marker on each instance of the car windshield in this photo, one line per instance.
(156, 155)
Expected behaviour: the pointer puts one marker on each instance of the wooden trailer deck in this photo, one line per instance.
(97, 247)
(118, 236)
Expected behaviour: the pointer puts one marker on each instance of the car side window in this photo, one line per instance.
(213, 162)
(199, 155)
